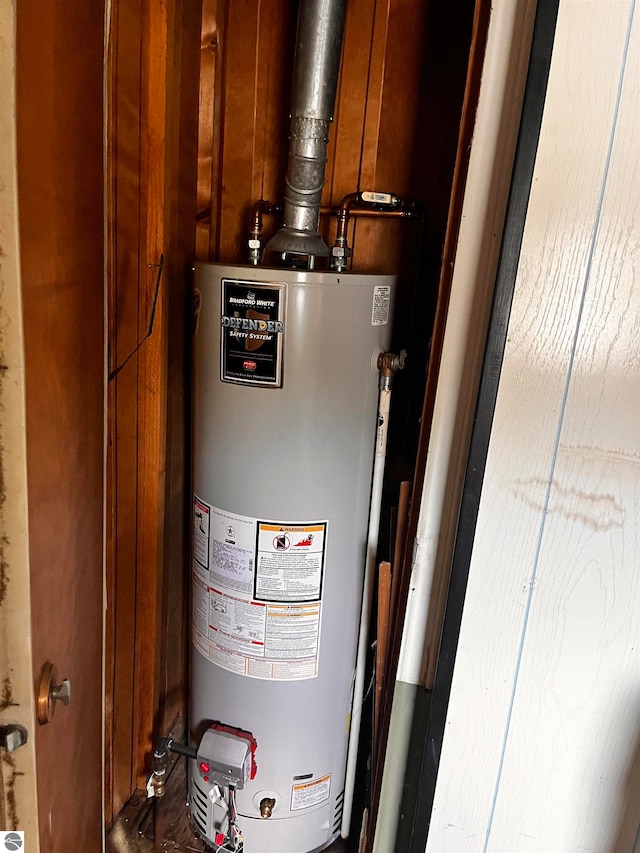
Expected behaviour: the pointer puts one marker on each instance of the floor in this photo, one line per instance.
(152, 825)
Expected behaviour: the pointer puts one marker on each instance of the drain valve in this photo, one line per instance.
(266, 807)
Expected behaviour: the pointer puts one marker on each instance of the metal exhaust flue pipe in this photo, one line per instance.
(315, 80)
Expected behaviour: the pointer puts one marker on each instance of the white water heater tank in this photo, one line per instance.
(285, 394)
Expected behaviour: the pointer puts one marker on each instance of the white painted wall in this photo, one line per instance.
(542, 745)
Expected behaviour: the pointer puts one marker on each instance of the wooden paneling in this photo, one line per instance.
(152, 80)
(355, 89)
(254, 119)
(152, 380)
(393, 117)
(548, 657)
(208, 138)
(59, 66)
(181, 157)
(124, 60)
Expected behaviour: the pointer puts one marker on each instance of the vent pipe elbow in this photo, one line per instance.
(315, 82)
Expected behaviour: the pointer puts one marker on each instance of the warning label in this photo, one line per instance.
(292, 631)
(381, 303)
(257, 593)
(290, 561)
(311, 793)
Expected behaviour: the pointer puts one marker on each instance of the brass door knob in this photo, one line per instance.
(51, 692)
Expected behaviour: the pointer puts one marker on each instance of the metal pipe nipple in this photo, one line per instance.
(159, 767)
(266, 807)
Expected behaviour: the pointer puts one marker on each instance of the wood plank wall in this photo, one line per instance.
(395, 129)
(152, 68)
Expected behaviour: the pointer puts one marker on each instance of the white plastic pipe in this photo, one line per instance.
(384, 405)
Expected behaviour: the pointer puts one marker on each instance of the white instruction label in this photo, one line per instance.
(257, 593)
(381, 305)
(237, 624)
(201, 516)
(311, 793)
(233, 542)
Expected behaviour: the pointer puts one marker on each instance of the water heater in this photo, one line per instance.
(285, 396)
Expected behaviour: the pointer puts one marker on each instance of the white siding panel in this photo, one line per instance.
(540, 748)
(576, 717)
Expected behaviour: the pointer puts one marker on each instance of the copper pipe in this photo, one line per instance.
(349, 206)
(343, 217)
(259, 209)
(262, 208)
(364, 212)
(373, 202)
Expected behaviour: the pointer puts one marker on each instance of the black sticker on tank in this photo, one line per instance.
(252, 332)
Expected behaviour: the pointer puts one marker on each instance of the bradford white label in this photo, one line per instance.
(252, 331)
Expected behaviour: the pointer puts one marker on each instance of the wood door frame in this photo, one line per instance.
(18, 783)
